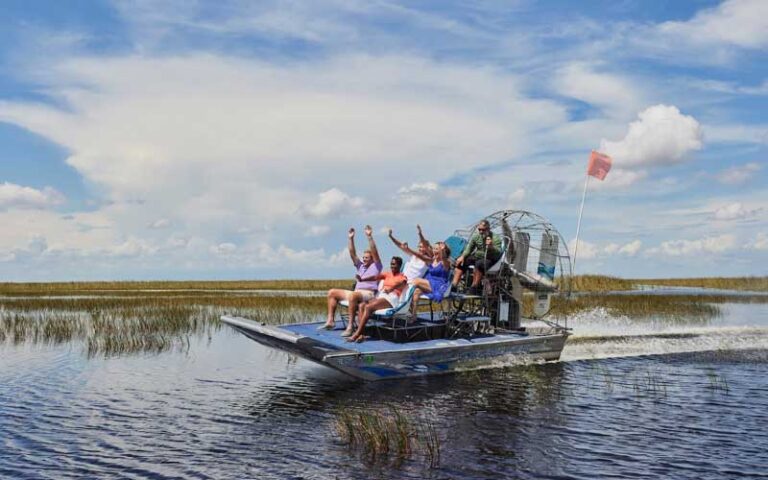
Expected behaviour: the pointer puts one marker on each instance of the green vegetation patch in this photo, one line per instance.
(164, 287)
(382, 436)
(754, 284)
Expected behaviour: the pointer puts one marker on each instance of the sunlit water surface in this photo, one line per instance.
(630, 399)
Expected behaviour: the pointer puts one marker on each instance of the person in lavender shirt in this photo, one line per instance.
(368, 270)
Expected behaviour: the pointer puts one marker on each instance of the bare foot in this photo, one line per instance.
(352, 339)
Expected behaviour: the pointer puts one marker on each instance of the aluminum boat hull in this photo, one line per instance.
(381, 360)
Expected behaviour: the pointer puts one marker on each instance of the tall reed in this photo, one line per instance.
(755, 284)
(388, 435)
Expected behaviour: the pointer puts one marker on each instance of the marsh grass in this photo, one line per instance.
(650, 382)
(388, 436)
(755, 284)
(579, 283)
(717, 382)
(115, 326)
(676, 308)
(164, 287)
(642, 383)
(605, 283)
(599, 283)
(161, 316)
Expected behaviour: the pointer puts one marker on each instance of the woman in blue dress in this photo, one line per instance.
(436, 282)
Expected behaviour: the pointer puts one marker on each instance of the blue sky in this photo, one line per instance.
(171, 140)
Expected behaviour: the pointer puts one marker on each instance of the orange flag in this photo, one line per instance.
(599, 165)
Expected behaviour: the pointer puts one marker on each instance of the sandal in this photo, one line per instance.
(327, 326)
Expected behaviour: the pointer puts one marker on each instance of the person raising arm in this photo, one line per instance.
(415, 267)
(436, 282)
(365, 288)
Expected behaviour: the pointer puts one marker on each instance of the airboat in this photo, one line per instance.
(507, 322)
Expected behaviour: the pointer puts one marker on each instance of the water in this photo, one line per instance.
(630, 400)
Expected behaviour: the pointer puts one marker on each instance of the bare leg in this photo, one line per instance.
(457, 276)
(477, 275)
(351, 325)
(370, 307)
(415, 304)
(422, 286)
(355, 300)
(334, 296)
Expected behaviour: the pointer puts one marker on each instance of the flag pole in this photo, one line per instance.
(578, 224)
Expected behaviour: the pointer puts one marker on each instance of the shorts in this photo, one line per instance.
(482, 264)
(367, 295)
(392, 297)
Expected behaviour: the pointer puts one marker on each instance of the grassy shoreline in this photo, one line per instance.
(149, 287)
(114, 318)
(580, 283)
(755, 284)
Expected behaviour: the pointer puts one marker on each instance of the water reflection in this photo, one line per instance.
(507, 391)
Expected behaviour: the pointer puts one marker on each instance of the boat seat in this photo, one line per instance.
(402, 307)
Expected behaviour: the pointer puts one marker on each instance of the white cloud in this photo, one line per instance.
(726, 87)
(160, 223)
(661, 136)
(331, 203)
(17, 196)
(760, 242)
(619, 178)
(631, 249)
(591, 250)
(223, 249)
(416, 195)
(676, 248)
(251, 143)
(340, 258)
(317, 231)
(133, 247)
(738, 175)
(586, 250)
(735, 211)
(743, 23)
(266, 254)
(517, 197)
(613, 93)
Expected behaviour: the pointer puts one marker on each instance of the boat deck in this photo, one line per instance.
(333, 338)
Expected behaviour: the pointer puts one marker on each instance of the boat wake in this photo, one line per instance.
(693, 340)
(599, 335)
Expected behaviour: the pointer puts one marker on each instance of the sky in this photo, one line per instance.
(144, 139)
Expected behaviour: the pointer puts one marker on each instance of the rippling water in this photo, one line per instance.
(629, 400)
